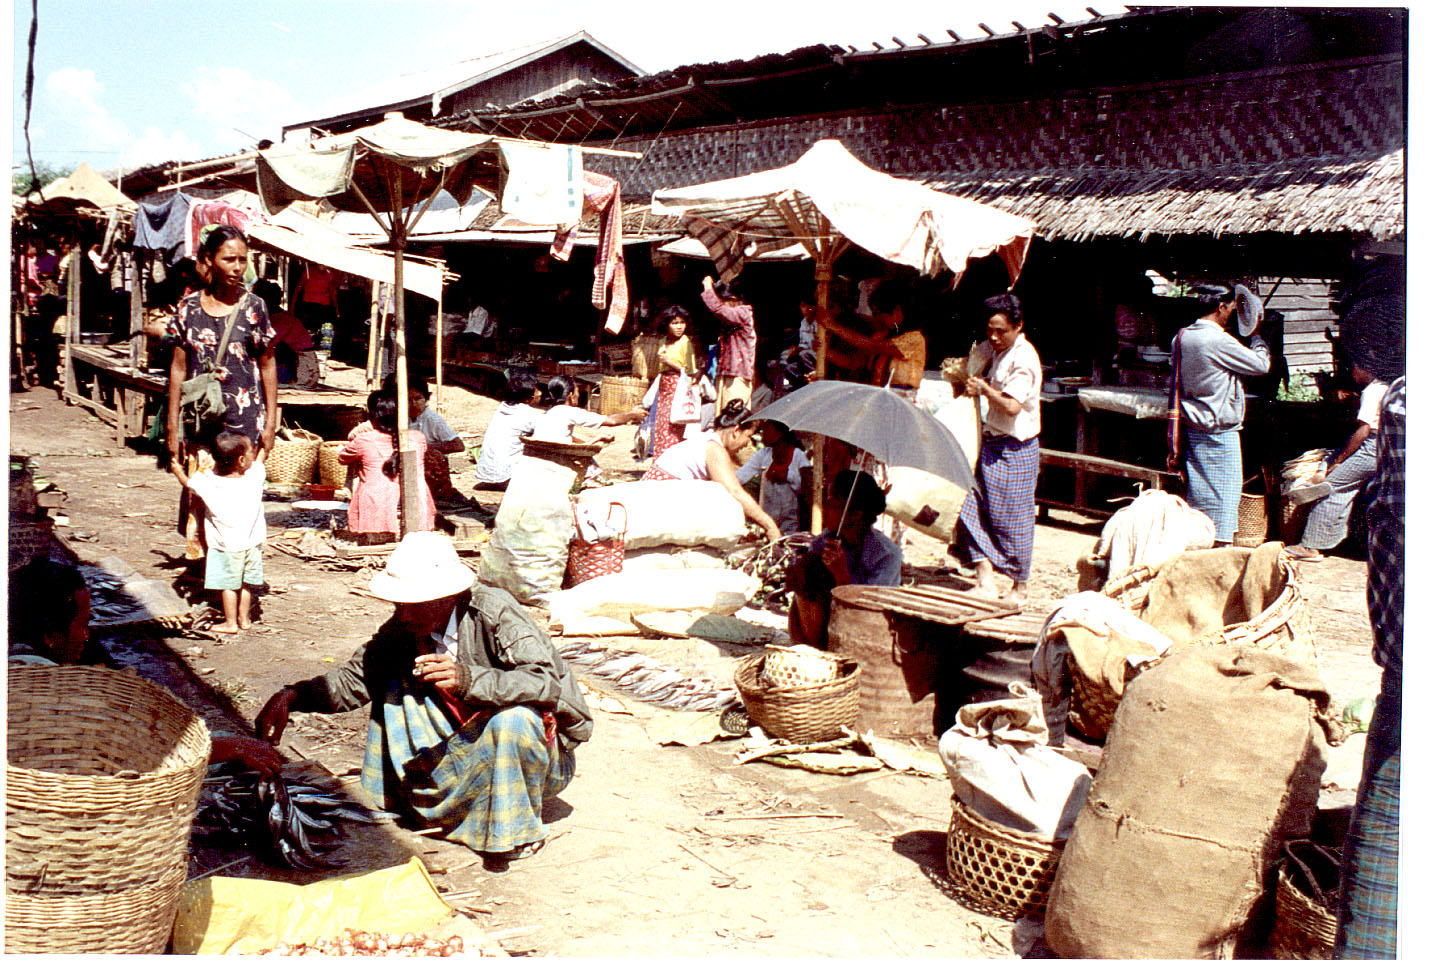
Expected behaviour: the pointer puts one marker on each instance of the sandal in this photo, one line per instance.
(1294, 554)
(522, 851)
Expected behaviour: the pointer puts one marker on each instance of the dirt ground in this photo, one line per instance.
(654, 850)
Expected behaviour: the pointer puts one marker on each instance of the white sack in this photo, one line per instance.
(1155, 527)
(1001, 768)
(684, 513)
(924, 501)
(619, 595)
(526, 553)
(669, 558)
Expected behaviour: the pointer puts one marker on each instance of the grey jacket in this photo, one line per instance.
(1212, 397)
(507, 661)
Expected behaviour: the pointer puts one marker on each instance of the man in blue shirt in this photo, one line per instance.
(850, 550)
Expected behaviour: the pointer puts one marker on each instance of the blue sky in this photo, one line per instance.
(141, 81)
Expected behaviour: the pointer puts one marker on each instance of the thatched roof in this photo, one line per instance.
(1302, 195)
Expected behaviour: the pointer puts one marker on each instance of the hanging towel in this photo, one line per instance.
(544, 184)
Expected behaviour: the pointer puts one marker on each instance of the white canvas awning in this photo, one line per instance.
(303, 236)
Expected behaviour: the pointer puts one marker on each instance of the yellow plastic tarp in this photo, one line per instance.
(237, 915)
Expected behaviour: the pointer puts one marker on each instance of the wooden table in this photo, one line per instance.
(129, 390)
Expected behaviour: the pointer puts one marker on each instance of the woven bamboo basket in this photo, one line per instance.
(331, 471)
(103, 773)
(1284, 628)
(137, 920)
(798, 666)
(999, 871)
(619, 394)
(1304, 927)
(293, 461)
(800, 714)
(1254, 520)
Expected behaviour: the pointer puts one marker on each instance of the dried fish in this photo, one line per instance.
(294, 822)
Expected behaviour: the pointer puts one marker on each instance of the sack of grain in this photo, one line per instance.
(1214, 760)
(684, 513)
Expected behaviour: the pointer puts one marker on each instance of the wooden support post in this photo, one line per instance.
(122, 414)
(410, 475)
(72, 314)
(377, 321)
(439, 339)
(139, 347)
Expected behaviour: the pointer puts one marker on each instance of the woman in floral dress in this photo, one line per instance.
(248, 375)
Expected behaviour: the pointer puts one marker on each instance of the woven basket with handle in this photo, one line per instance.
(997, 870)
(595, 558)
(1308, 883)
(292, 460)
(103, 773)
(1284, 628)
(800, 714)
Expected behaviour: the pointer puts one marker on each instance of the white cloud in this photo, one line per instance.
(156, 146)
(231, 98)
(76, 96)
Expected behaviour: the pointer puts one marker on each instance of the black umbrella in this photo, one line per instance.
(878, 421)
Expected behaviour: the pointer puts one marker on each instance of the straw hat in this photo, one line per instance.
(423, 567)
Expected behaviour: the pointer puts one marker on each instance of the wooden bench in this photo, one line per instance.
(1084, 463)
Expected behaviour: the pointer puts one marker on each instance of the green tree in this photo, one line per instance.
(46, 172)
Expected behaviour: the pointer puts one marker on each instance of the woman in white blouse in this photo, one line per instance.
(998, 531)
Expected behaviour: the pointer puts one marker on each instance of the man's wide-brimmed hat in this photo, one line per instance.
(423, 567)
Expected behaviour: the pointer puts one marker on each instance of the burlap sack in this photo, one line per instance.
(1214, 760)
(1200, 591)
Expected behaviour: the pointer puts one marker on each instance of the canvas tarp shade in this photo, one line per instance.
(357, 171)
(307, 238)
(828, 194)
(827, 200)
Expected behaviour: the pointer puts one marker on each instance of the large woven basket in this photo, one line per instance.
(103, 772)
(1304, 927)
(332, 472)
(800, 714)
(996, 870)
(1284, 628)
(136, 920)
(619, 394)
(293, 461)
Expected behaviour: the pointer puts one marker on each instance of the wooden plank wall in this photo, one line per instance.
(1305, 302)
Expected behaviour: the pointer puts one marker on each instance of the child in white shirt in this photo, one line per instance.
(234, 523)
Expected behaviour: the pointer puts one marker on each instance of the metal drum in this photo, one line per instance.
(898, 657)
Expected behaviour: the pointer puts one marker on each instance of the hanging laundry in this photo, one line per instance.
(160, 225)
(214, 212)
(544, 184)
